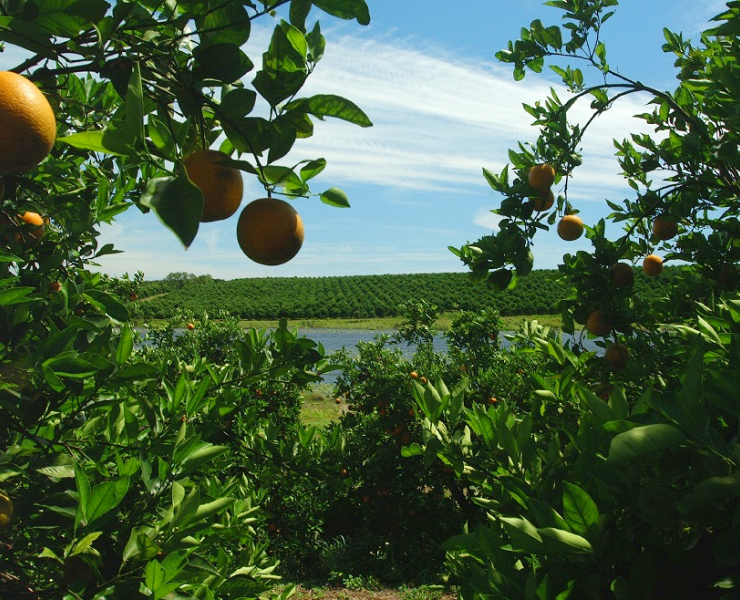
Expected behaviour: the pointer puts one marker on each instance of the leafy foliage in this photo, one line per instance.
(118, 460)
(608, 484)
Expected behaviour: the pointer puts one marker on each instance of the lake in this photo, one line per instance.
(336, 339)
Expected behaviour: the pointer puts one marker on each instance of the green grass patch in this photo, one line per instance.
(443, 323)
(319, 406)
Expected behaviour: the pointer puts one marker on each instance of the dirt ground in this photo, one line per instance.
(347, 594)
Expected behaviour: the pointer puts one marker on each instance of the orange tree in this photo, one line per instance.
(620, 480)
(113, 463)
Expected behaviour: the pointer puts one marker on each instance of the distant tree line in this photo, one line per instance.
(363, 296)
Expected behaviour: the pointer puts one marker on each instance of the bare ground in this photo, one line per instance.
(339, 593)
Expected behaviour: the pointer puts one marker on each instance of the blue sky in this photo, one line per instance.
(443, 108)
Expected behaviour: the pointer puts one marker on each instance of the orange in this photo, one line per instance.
(598, 324)
(622, 275)
(28, 127)
(652, 265)
(664, 228)
(270, 231)
(222, 187)
(33, 219)
(544, 201)
(617, 355)
(6, 510)
(570, 228)
(541, 177)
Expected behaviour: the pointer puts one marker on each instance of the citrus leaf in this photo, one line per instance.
(329, 105)
(105, 497)
(178, 204)
(335, 197)
(579, 509)
(643, 440)
(346, 9)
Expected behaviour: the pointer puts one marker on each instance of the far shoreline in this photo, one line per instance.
(443, 323)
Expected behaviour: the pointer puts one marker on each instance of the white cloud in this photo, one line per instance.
(438, 119)
(486, 219)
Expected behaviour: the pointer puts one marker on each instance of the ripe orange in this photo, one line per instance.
(541, 177)
(6, 510)
(652, 265)
(544, 201)
(617, 355)
(414, 375)
(270, 231)
(222, 187)
(33, 219)
(598, 324)
(423, 380)
(28, 127)
(190, 326)
(664, 228)
(622, 275)
(570, 228)
(54, 287)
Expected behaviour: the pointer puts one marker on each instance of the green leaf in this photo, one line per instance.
(70, 366)
(345, 9)
(643, 440)
(312, 168)
(15, 295)
(601, 409)
(8, 257)
(524, 536)
(277, 87)
(96, 141)
(125, 345)
(579, 509)
(178, 203)
(157, 578)
(203, 454)
(85, 543)
(206, 510)
(328, 105)
(138, 371)
(299, 10)
(58, 471)
(105, 497)
(83, 493)
(711, 490)
(113, 307)
(222, 62)
(229, 24)
(237, 103)
(335, 197)
(558, 541)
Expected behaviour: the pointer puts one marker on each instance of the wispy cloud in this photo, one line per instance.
(438, 119)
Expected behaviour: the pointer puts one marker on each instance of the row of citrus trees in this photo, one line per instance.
(370, 296)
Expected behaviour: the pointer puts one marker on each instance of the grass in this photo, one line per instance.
(319, 406)
(389, 323)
